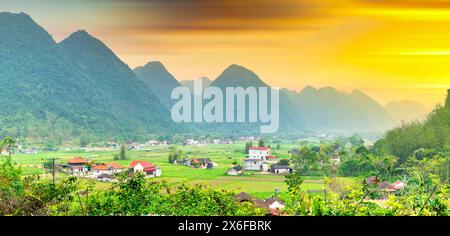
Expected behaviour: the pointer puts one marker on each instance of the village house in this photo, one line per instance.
(280, 169)
(235, 170)
(262, 153)
(29, 151)
(135, 146)
(152, 143)
(186, 162)
(202, 163)
(271, 159)
(190, 142)
(110, 168)
(209, 166)
(257, 159)
(294, 151)
(372, 180)
(386, 188)
(272, 205)
(255, 164)
(105, 177)
(145, 167)
(398, 185)
(78, 165)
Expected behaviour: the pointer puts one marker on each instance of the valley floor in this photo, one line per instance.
(224, 155)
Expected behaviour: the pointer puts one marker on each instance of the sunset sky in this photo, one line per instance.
(391, 49)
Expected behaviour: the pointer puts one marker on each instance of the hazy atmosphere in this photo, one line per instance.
(225, 108)
(387, 49)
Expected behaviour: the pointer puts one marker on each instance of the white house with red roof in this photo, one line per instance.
(257, 158)
(261, 153)
(145, 167)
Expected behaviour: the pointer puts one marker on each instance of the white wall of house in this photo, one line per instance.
(258, 154)
(138, 168)
(276, 205)
(79, 169)
(109, 172)
(281, 171)
(233, 171)
(118, 170)
(98, 172)
(252, 164)
(158, 172)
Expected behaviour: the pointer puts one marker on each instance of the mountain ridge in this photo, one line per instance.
(67, 90)
(81, 87)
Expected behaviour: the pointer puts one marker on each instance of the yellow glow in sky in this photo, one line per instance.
(391, 50)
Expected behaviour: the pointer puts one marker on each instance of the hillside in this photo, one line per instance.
(155, 75)
(239, 76)
(433, 133)
(65, 90)
(328, 110)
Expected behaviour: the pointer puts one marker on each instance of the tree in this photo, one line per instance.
(356, 140)
(294, 182)
(84, 140)
(7, 145)
(362, 150)
(116, 157)
(305, 161)
(248, 145)
(406, 139)
(175, 154)
(261, 143)
(283, 162)
(122, 153)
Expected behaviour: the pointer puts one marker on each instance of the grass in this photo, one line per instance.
(222, 154)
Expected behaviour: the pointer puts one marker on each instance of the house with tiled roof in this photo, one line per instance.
(235, 170)
(110, 168)
(280, 169)
(272, 205)
(145, 167)
(115, 166)
(78, 165)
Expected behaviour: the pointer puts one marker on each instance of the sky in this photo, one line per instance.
(392, 50)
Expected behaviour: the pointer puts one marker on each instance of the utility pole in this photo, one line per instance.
(54, 169)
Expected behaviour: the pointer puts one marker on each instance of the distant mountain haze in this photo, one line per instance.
(79, 87)
(206, 82)
(237, 75)
(155, 75)
(328, 109)
(406, 111)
